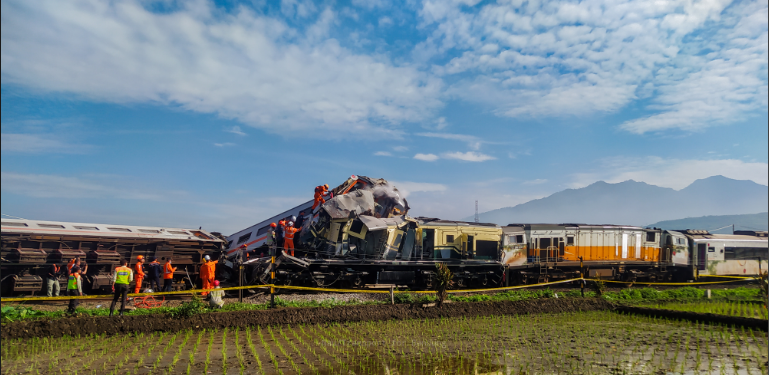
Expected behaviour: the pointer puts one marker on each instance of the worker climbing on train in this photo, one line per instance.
(290, 231)
(168, 275)
(120, 279)
(139, 272)
(208, 273)
(320, 191)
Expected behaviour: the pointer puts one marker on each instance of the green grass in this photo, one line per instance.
(729, 308)
(685, 293)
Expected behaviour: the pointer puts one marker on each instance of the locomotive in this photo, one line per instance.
(364, 236)
(30, 247)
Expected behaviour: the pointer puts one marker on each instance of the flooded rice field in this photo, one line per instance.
(594, 342)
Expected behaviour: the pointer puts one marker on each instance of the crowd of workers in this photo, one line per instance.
(123, 275)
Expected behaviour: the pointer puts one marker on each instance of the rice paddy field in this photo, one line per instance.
(597, 342)
(728, 308)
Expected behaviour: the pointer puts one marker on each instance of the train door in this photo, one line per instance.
(638, 245)
(428, 243)
(624, 245)
(702, 256)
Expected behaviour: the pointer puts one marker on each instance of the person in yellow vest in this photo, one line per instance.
(120, 279)
(74, 288)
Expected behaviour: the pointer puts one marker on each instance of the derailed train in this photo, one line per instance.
(30, 247)
(363, 235)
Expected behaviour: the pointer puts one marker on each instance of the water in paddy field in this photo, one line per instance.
(599, 342)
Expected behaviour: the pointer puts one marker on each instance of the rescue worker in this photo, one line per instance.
(215, 297)
(299, 220)
(318, 197)
(74, 288)
(53, 280)
(154, 270)
(279, 231)
(208, 273)
(168, 275)
(290, 230)
(83, 268)
(139, 272)
(70, 264)
(120, 279)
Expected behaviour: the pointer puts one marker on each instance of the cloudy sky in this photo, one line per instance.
(219, 114)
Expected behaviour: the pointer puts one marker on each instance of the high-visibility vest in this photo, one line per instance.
(72, 282)
(290, 233)
(123, 274)
(168, 271)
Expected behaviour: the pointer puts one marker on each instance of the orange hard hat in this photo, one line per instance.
(273, 225)
(140, 257)
(325, 186)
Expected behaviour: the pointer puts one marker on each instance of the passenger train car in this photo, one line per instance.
(30, 247)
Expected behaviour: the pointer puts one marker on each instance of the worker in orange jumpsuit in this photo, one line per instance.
(208, 273)
(139, 273)
(320, 191)
(290, 230)
(168, 275)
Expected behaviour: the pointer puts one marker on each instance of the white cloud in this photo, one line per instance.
(472, 141)
(225, 144)
(382, 153)
(538, 181)
(239, 65)
(672, 173)
(426, 157)
(236, 130)
(699, 63)
(467, 156)
(53, 186)
(40, 144)
(400, 148)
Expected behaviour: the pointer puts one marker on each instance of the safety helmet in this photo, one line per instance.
(216, 282)
(290, 223)
(207, 257)
(326, 186)
(273, 225)
(140, 257)
(282, 222)
(293, 218)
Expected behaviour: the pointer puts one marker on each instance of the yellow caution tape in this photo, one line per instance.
(513, 287)
(680, 284)
(731, 277)
(190, 291)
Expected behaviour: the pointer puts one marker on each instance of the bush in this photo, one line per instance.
(404, 298)
(188, 309)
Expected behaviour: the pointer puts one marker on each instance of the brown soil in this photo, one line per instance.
(151, 323)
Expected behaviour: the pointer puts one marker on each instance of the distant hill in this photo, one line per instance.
(637, 203)
(746, 222)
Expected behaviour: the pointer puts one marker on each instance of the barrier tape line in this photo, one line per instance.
(190, 291)
(333, 290)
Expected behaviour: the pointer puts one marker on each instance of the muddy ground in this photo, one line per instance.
(151, 323)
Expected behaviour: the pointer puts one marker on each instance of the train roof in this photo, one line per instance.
(722, 237)
(436, 221)
(16, 226)
(572, 225)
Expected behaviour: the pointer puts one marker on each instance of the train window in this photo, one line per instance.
(651, 236)
(570, 240)
(745, 253)
(119, 229)
(711, 249)
(149, 231)
(263, 230)
(449, 238)
(244, 238)
(681, 241)
(183, 233)
(85, 228)
(15, 224)
(57, 226)
(519, 238)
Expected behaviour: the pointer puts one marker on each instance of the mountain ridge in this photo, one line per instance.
(637, 203)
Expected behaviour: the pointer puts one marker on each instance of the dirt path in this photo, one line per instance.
(153, 323)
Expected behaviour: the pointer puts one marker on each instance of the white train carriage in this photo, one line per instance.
(727, 254)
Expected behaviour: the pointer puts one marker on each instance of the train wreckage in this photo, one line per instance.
(363, 235)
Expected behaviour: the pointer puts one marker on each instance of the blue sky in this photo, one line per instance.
(219, 114)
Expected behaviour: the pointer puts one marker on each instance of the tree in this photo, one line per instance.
(443, 281)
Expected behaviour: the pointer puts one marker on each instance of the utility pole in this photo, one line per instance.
(477, 219)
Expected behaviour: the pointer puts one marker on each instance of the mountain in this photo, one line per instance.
(745, 222)
(637, 203)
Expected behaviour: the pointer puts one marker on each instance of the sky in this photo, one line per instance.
(222, 114)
